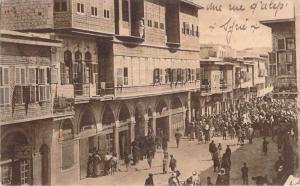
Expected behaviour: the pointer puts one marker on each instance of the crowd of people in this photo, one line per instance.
(261, 117)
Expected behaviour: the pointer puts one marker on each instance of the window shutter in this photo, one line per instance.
(125, 75)
(184, 75)
(18, 76)
(37, 94)
(32, 94)
(37, 75)
(23, 76)
(49, 80)
(198, 74)
(174, 72)
(179, 79)
(1, 77)
(120, 77)
(62, 73)
(160, 75)
(5, 76)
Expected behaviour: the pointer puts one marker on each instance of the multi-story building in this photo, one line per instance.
(125, 69)
(27, 83)
(229, 78)
(261, 83)
(217, 80)
(283, 57)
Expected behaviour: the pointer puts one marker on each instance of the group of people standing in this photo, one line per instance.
(99, 165)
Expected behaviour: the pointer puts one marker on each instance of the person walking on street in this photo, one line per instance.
(165, 143)
(228, 152)
(200, 136)
(265, 146)
(250, 134)
(178, 136)
(220, 151)
(224, 131)
(172, 163)
(149, 181)
(127, 161)
(216, 162)
(244, 170)
(149, 158)
(212, 148)
(165, 162)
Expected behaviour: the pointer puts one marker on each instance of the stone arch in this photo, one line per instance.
(16, 130)
(68, 58)
(87, 120)
(66, 129)
(162, 119)
(108, 116)
(124, 113)
(78, 56)
(12, 142)
(87, 57)
(176, 103)
(161, 106)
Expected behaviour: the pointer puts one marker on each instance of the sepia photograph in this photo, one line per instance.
(149, 92)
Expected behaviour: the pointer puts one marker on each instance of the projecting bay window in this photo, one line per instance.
(4, 86)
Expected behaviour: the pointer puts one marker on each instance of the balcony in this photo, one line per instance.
(105, 88)
(129, 20)
(157, 89)
(84, 92)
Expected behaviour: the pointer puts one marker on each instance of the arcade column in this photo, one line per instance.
(154, 123)
(116, 137)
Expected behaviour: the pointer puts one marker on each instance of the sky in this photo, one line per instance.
(241, 28)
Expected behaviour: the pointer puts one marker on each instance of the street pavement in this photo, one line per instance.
(195, 157)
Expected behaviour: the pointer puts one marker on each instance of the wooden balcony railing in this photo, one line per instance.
(105, 88)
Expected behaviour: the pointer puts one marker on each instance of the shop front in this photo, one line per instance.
(16, 160)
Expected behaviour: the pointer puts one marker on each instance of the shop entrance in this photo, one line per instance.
(162, 127)
(16, 161)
